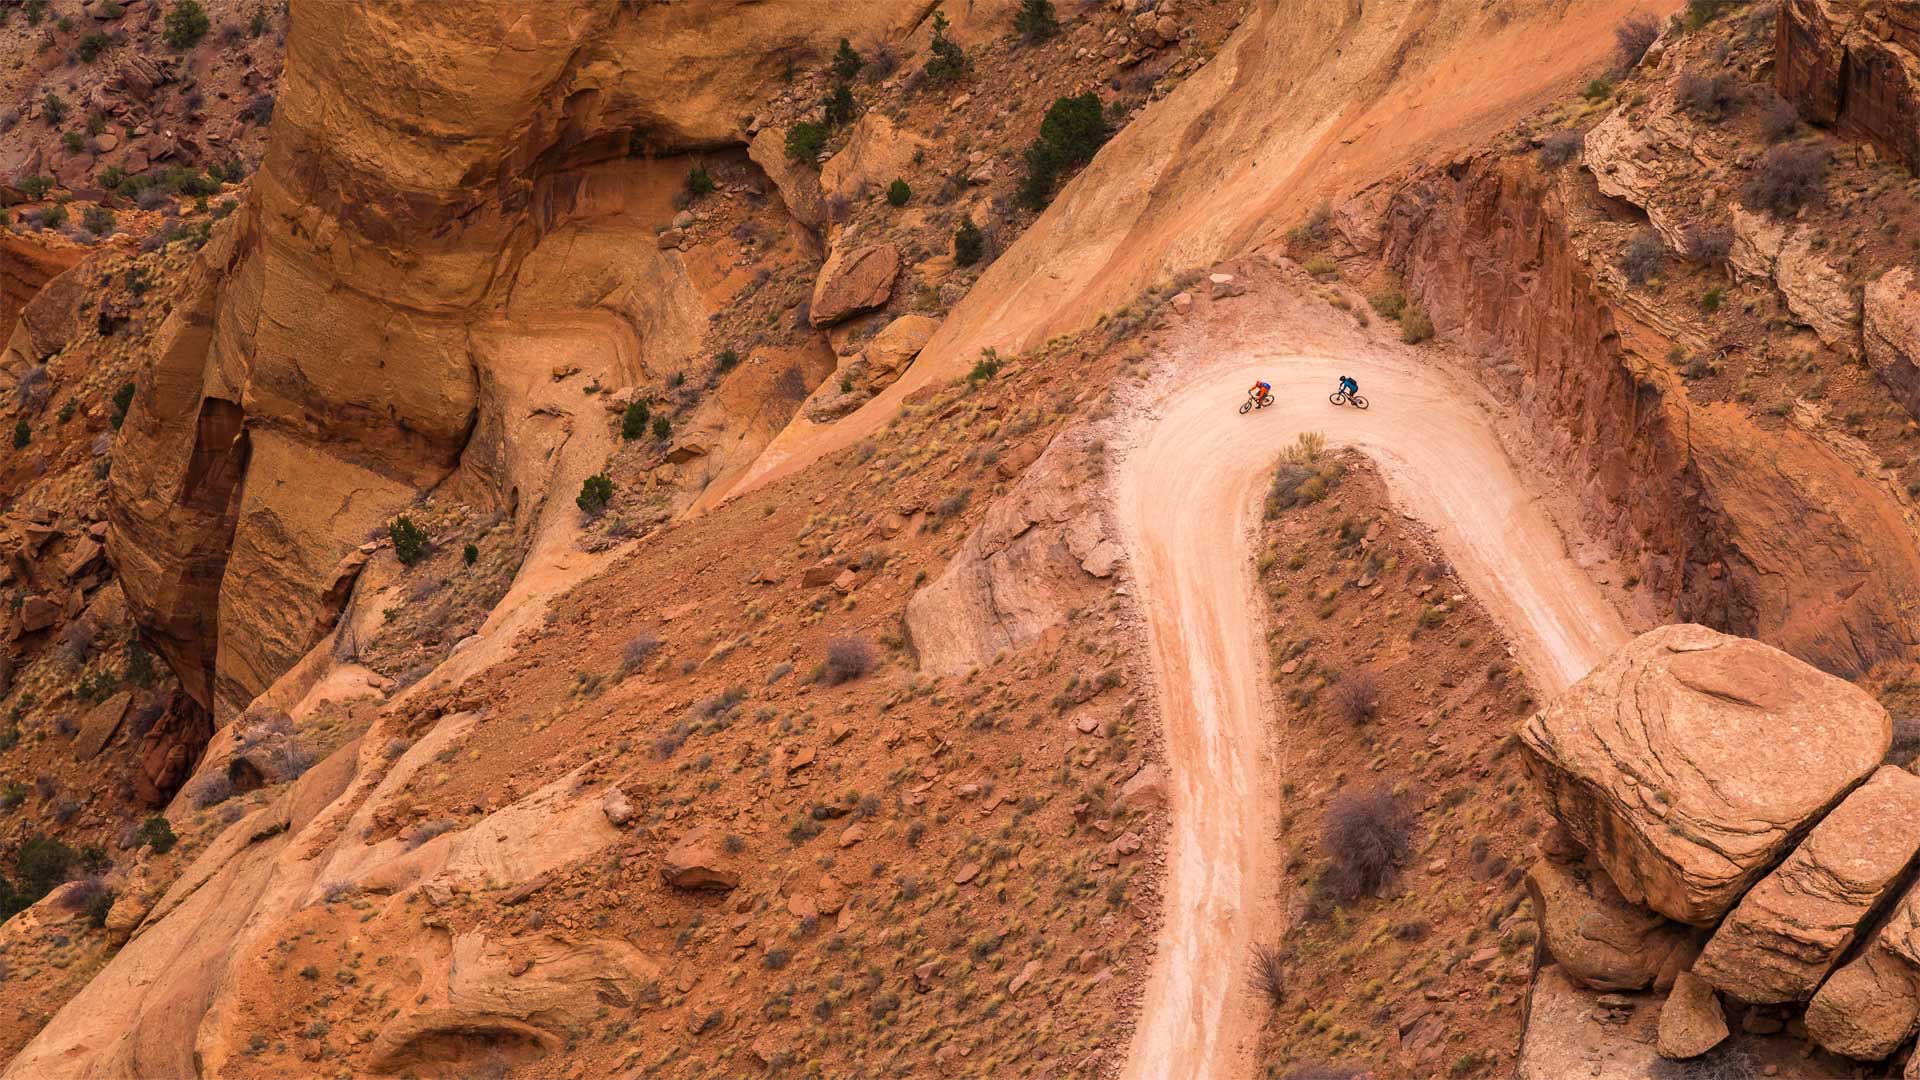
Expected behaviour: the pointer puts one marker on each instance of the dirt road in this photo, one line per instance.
(1189, 497)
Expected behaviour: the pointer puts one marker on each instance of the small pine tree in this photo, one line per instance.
(839, 106)
(699, 182)
(22, 434)
(186, 24)
(846, 62)
(409, 540)
(122, 401)
(805, 140)
(157, 833)
(470, 554)
(969, 243)
(596, 492)
(633, 422)
(661, 427)
(1035, 20)
(898, 193)
(947, 61)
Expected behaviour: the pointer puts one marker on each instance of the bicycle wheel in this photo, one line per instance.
(1246, 405)
(1337, 398)
(1358, 401)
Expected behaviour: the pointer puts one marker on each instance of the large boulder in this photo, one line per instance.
(1890, 329)
(853, 281)
(1868, 1007)
(876, 153)
(1691, 761)
(1788, 931)
(1599, 938)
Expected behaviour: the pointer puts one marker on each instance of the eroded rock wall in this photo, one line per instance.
(1854, 65)
(432, 205)
(1767, 533)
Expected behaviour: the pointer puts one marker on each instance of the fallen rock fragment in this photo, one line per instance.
(1691, 1021)
(696, 863)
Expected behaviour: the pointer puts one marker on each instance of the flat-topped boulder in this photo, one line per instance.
(1784, 936)
(1867, 1008)
(1691, 762)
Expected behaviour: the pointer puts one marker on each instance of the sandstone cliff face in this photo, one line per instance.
(428, 221)
(25, 266)
(1854, 65)
(1719, 514)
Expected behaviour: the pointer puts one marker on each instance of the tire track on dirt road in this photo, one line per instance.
(1189, 497)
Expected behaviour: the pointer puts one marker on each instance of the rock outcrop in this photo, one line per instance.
(1787, 932)
(1598, 938)
(1890, 332)
(415, 239)
(697, 862)
(1017, 573)
(1690, 763)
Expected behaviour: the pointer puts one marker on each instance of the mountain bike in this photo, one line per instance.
(1250, 404)
(1341, 397)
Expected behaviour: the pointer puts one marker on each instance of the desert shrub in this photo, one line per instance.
(633, 422)
(186, 24)
(1356, 697)
(898, 193)
(699, 181)
(73, 142)
(1706, 244)
(985, 368)
(725, 360)
(1306, 449)
(1268, 974)
(1073, 131)
(1778, 118)
(22, 434)
(1390, 302)
(122, 401)
(259, 110)
(1786, 178)
(1560, 147)
(35, 187)
(470, 554)
(946, 61)
(839, 105)
(596, 492)
(848, 658)
(91, 46)
(1633, 37)
(662, 427)
(969, 243)
(1368, 836)
(1646, 254)
(1415, 327)
(1597, 91)
(637, 651)
(1709, 302)
(805, 140)
(53, 109)
(40, 865)
(94, 899)
(1701, 12)
(846, 62)
(157, 833)
(98, 220)
(1035, 21)
(1709, 97)
(1321, 267)
(410, 543)
(1296, 484)
(427, 830)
